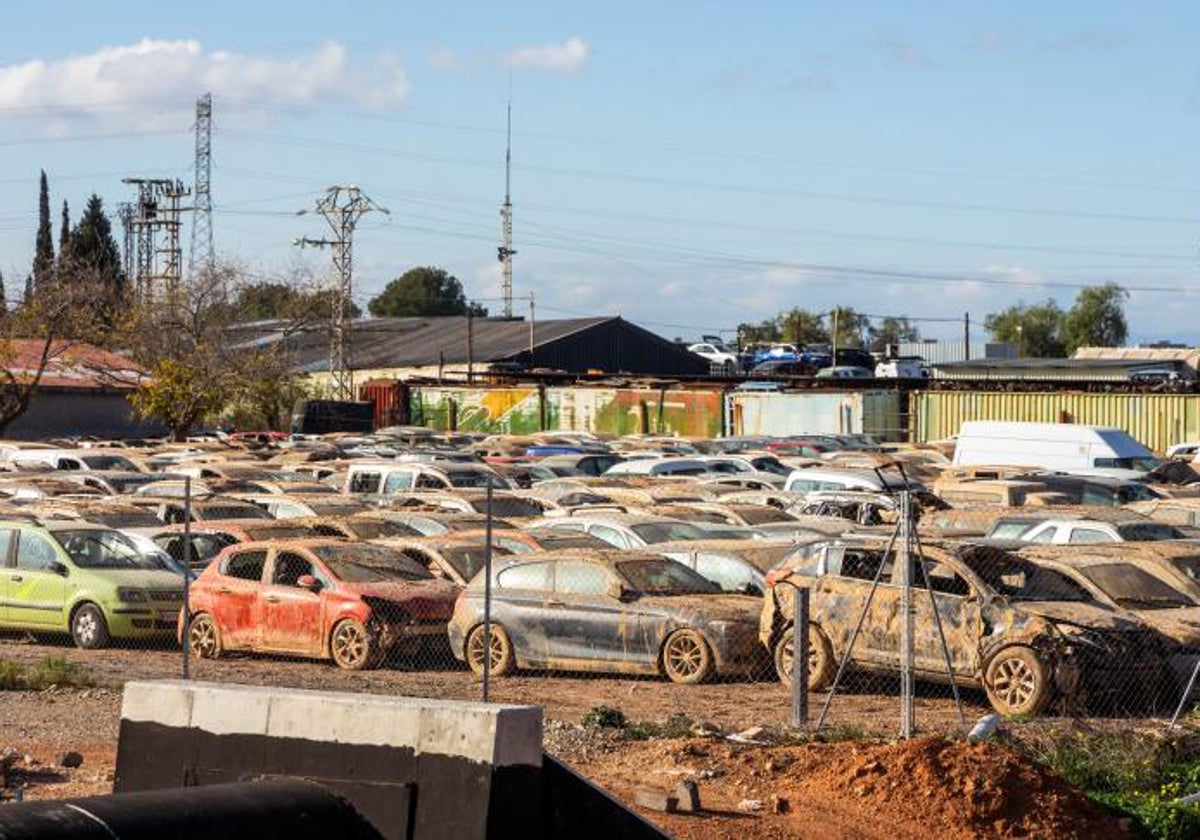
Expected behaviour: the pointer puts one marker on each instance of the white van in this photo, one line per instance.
(1061, 447)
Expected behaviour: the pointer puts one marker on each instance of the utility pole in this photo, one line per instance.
(531, 341)
(201, 257)
(157, 270)
(833, 336)
(341, 207)
(967, 336)
(505, 251)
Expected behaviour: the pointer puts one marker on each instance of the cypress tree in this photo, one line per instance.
(28, 289)
(3, 297)
(64, 233)
(43, 257)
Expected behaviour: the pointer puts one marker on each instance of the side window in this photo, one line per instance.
(69, 464)
(35, 552)
(1044, 535)
(801, 486)
(1093, 495)
(289, 568)
(283, 510)
(513, 546)
(728, 573)
(610, 535)
(6, 539)
(942, 579)
(207, 546)
(533, 576)
(579, 578)
(429, 482)
(1088, 536)
(398, 481)
(864, 564)
(247, 565)
(364, 482)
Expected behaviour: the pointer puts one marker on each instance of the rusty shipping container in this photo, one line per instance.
(875, 413)
(1157, 420)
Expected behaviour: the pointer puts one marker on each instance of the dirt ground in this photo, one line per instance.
(826, 790)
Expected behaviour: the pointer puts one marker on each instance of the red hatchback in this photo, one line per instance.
(328, 599)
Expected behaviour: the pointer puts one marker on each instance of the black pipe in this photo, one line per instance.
(282, 809)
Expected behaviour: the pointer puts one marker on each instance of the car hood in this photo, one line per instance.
(1088, 616)
(1180, 625)
(139, 578)
(420, 598)
(722, 607)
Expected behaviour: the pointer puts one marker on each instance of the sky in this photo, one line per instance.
(688, 165)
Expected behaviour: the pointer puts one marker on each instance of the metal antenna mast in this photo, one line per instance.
(342, 207)
(125, 211)
(505, 251)
(201, 256)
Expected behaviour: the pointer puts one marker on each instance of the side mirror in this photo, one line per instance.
(622, 593)
(60, 569)
(308, 582)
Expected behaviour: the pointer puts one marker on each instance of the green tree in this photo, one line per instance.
(94, 253)
(1097, 319)
(799, 326)
(891, 331)
(3, 297)
(64, 230)
(1035, 329)
(268, 300)
(43, 255)
(423, 291)
(764, 332)
(851, 326)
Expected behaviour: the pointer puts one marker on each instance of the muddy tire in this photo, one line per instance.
(203, 638)
(1017, 683)
(353, 647)
(89, 630)
(503, 661)
(821, 665)
(687, 658)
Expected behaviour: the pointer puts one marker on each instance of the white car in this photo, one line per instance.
(718, 358)
(903, 368)
(1086, 531)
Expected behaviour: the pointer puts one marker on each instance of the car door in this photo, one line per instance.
(958, 608)
(840, 596)
(236, 603)
(37, 593)
(292, 616)
(519, 605)
(584, 622)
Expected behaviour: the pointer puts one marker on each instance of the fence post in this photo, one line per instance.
(800, 657)
(487, 597)
(187, 567)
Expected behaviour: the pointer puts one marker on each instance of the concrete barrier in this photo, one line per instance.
(412, 767)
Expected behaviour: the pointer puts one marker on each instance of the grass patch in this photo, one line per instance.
(51, 671)
(604, 717)
(1136, 775)
(609, 717)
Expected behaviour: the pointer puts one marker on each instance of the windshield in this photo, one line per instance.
(358, 563)
(374, 529)
(94, 549)
(109, 462)
(124, 519)
(129, 483)
(1148, 531)
(660, 532)
(1009, 530)
(664, 577)
(1134, 588)
(467, 560)
(213, 512)
(475, 478)
(764, 514)
(506, 506)
(1021, 580)
(1190, 566)
(1134, 492)
(277, 532)
(1139, 463)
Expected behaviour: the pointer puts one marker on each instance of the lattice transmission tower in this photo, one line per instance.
(158, 268)
(505, 252)
(341, 207)
(201, 257)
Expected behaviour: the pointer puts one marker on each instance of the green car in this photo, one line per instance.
(83, 579)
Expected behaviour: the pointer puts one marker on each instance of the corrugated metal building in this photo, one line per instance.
(940, 352)
(1055, 370)
(400, 348)
(1157, 420)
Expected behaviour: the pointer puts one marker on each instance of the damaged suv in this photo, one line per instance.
(1021, 632)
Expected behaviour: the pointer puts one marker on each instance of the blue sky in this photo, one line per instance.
(687, 165)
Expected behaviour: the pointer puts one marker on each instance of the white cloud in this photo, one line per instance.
(154, 72)
(902, 51)
(568, 57)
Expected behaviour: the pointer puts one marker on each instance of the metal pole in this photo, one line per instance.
(904, 568)
(487, 597)
(1187, 692)
(531, 323)
(187, 565)
(470, 348)
(800, 658)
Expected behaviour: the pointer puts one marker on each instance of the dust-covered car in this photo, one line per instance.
(1022, 632)
(622, 612)
(353, 603)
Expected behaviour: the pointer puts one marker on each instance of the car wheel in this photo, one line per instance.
(821, 664)
(686, 658)
(204, 639)
(89, 630)
(1017, 683)
(501, 649)
(352, 647)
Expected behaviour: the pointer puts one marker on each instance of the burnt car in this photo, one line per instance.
(622, 612)
(353, 603)
(1022, 632)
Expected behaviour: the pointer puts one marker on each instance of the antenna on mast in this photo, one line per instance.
(505, 251)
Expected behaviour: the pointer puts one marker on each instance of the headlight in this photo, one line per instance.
(130, 595)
